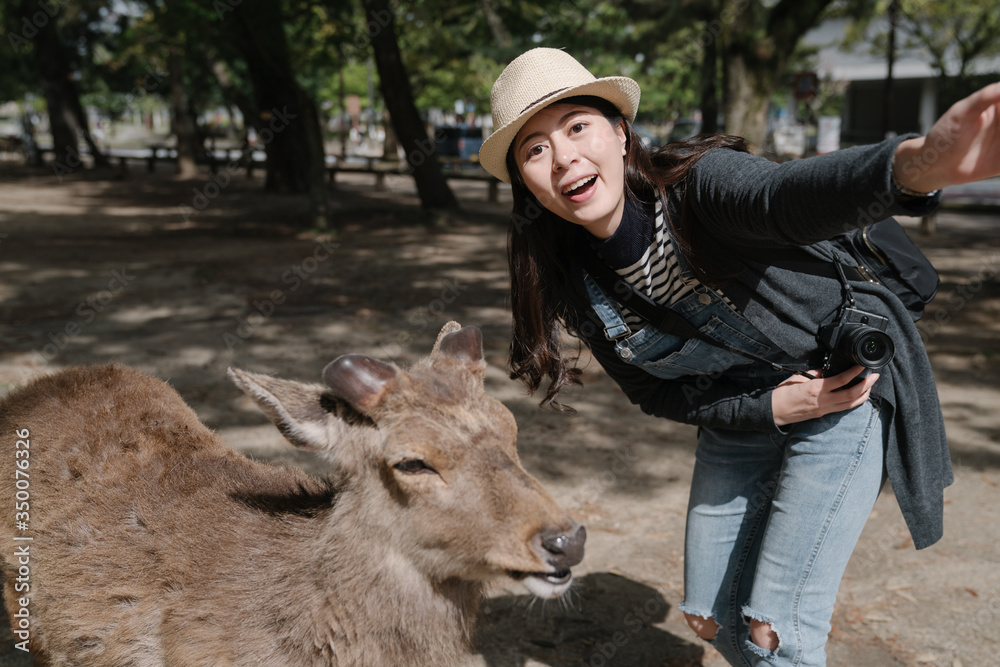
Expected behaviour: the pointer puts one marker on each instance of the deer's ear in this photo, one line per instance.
(462, 346)
(359, 380)
(309, 416)
(463, 343)
(297, 409)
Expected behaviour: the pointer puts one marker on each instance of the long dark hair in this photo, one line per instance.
(539, 247)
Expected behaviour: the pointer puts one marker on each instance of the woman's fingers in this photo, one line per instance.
(851, 396)
(978, 102)
(962, 146)
(841, 380)
(798, 399)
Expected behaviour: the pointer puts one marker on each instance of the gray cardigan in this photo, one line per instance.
(743, 201)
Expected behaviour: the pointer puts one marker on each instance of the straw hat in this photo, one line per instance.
(536, 79)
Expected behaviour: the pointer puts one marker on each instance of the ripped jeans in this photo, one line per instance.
(772, 518)
(772, 522)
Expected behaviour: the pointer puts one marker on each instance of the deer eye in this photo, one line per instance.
(414, 467)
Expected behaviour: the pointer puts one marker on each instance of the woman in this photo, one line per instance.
(789, 463)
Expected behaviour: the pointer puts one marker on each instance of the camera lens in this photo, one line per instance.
(868, 347)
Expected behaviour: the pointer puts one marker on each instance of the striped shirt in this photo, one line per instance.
(641, 252)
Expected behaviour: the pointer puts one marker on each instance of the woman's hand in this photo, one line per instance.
(798, 398)
(962, 146)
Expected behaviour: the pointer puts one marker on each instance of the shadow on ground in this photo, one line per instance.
(609, 620)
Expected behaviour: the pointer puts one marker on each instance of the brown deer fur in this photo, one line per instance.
(154, 544)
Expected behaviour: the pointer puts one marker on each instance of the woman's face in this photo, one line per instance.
(570, 158)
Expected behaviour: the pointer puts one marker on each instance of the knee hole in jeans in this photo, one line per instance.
(703, 626)
(763, 635)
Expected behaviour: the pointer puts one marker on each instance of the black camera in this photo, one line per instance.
(859, 337)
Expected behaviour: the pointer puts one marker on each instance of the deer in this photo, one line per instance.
(147, 541)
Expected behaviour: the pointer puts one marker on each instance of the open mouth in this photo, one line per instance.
(546, 585)
(580, 187)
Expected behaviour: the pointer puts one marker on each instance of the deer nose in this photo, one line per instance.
(563, 550)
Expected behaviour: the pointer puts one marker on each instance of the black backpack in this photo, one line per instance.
(885, 249)
(884, 253)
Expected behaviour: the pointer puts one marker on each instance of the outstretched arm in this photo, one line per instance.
(962, 146)
(743, 200)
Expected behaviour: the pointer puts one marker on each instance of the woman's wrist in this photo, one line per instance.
(912, 171)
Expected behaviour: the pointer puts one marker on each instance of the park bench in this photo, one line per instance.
(452, 168)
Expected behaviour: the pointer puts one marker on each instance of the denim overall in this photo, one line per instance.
(670, 357)
(773, 517)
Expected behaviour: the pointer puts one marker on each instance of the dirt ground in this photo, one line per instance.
(95, 268)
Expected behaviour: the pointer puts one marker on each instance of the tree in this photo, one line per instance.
(682, 53)
(953, 34)
(171, 29)
(741, 47)
(34, 26)
(182, 120)
(287, 122)
(757, 41)
(456, 50)
(398, 95)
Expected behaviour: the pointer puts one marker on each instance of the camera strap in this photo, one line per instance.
(795, 259)
(847, 303)
(663, 317)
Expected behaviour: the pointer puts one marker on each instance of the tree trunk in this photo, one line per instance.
(501, 37)
(431, 184)
(748, 92)
(709, 88)
(182, 120)
(65, 140)
(66, 115)
(761, 37)
(288, 122)
(390, 145)
(890, 62)
(233, 95)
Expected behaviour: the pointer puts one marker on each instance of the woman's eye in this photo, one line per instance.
(578, 127)
(414, 467)
(534, 150)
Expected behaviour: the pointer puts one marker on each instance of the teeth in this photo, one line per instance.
(557, 577)
(579, 184)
